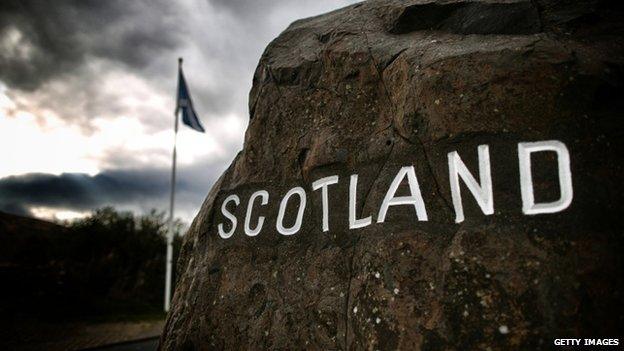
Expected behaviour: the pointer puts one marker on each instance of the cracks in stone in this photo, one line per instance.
(327, 37)
(394, 58)
(540, 18)
(301, 159)
(381, 168)
(352, 256)
(380, 74)
(348, 294)
(396, 131)
(275, 82)
(330, 37)
(370, 188)
(252, 109)
(436, 183)
(394, 110)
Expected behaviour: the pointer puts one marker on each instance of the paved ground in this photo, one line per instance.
(143, 345)
(79, 336)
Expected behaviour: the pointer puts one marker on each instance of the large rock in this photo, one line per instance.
(381, 85)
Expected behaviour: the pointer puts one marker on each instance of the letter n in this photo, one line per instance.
(481, 192)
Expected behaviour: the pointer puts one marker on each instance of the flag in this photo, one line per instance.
(184, 103)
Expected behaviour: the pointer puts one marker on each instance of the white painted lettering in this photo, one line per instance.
(265, 200)
(282, 211)
(227, 214)
(481, 192)
(322, 184)
(353, 222)
(414, 199)
(525, 150)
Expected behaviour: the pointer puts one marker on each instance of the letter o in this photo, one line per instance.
(282, 209)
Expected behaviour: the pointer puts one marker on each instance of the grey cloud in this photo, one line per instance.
(76, 43)
(221, 39)
(248, 27)
(250, 11)
(15, 208)
(139, 189)
(65, 33)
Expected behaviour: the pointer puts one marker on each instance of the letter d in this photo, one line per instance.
(525, 150)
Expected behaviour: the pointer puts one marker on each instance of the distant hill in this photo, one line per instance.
(11, 224)
(21, 237)
(56, 279)
(29, 263)
(109, 265)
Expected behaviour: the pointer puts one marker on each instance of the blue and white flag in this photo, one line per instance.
(184, 103)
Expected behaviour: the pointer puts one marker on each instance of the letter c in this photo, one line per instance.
(265, 199)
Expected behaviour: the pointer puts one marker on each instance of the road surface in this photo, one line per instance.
(141, 345)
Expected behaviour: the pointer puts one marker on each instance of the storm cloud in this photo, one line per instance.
(106, 67)
(43, 39)
(133, 189)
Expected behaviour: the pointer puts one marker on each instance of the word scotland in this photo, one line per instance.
(480, 189)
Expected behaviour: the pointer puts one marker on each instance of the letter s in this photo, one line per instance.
(227, 214)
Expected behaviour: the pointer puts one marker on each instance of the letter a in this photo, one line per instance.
(414, 199)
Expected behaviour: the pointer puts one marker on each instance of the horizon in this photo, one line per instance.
(87, 93)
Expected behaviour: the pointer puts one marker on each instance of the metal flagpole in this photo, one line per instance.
(169, 257)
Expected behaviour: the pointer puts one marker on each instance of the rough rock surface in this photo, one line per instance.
(379, 85)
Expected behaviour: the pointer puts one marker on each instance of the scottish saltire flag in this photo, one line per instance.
(184, 103)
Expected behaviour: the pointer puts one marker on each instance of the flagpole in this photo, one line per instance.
(169, 257)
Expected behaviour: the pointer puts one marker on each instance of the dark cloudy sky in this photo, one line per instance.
(87, 97)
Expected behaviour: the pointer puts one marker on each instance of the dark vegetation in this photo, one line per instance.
(108, 266)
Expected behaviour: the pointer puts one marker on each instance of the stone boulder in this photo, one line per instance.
(388, 91)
